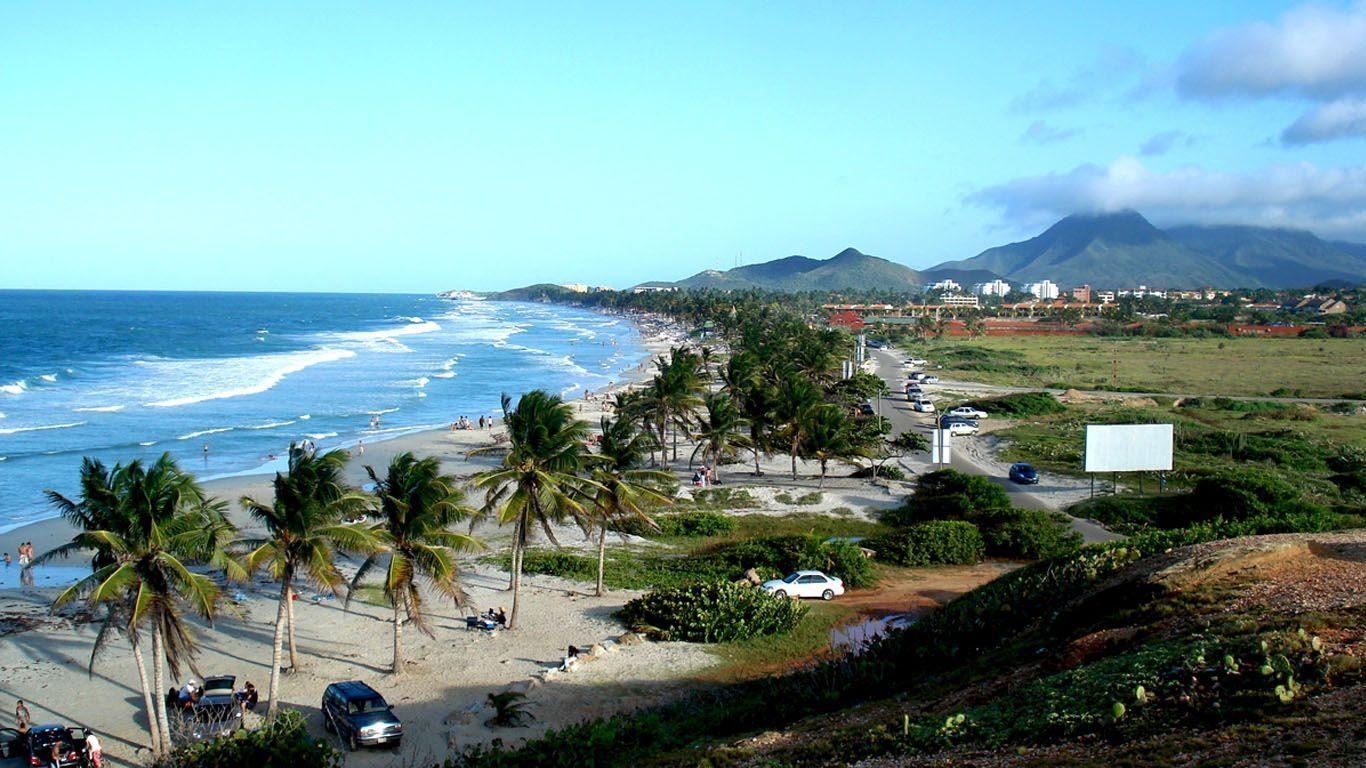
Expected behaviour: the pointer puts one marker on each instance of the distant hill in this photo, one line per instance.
(964, 277)
(1275, 258)
(847, 270)
(1112, 250)
(1116, 250)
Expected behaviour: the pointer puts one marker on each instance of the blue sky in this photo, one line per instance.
(425, 146)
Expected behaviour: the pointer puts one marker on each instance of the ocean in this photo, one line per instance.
(225, 381)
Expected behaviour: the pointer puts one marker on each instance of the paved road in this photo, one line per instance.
(898, 410)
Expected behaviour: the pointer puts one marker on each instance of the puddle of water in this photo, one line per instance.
(855, 637)
(41, 576)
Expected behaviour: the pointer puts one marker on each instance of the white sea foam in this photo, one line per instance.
(15, 387)
(444, 375)
(388, 334)
(100, 409)
(270, 425)
(49, 377)
(17, 430)
(320, 435)
(306, 417)
(147, 443)
(381, 413)
(244, 376)
(202, 432)
(420, 382)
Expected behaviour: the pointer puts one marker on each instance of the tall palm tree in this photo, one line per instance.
(305, 532)
(145, 525)
(537, 481)
(417, 506)
(828, 433)
(622, 487)
(720, 431)
(673, 396)
(794, 397)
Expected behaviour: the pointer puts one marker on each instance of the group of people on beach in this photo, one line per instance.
(191, 692)
(94, 751)
(704, 476)
(485, 422)
(25, 552)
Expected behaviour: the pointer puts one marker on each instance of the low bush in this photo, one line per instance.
(938, 542)
(1020, 404)
(838, 557)
(1235, 494)
(715, 612)
(694, 524)
(724, 498)
(780, 555)
(886, 472)
(282, 741)
(948, 495)
(1028, 534)
(805, 500)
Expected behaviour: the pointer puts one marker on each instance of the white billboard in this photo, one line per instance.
(1128, 447)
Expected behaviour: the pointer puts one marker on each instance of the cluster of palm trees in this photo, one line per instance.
(162, 550)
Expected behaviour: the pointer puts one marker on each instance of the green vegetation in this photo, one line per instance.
(283, 740)
(711, 612)
(1019, 405)
(937, 542)
(806, 499)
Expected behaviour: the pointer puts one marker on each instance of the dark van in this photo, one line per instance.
(361, 716)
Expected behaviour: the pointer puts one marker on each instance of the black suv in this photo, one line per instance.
(361, 716)
(36, 745)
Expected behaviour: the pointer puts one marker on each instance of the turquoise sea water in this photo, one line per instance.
(129, 375)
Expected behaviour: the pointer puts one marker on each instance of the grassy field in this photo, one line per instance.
(1321, 368)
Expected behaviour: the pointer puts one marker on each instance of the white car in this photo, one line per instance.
(918, 375)
(922, 405)
(930, 380)
(916, 361)
(961, 428)
(806, 584)
(967, 412)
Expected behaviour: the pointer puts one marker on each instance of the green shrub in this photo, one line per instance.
(553, 562)
(724, 498)
(838, 557)
(715, 612)
(694, 524)
(1019, 405)
(938, 542)
(282, 741)
(780, 555)
(948, 495)
(886, 472)
(806, 499)
(1029, 534)
(1234, 494)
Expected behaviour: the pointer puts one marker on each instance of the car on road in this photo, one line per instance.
(915, 361)
(930, 380)
(967, 412)
(866, 409)
(913, 389)
(1024, 474)
(959, 426)
(877, 344)
(360, 715)
(806, 584)
(918, 375)
(922, 405)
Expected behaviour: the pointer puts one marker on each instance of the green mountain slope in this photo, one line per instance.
(1275, 258)
(848, 270)
(1113, 250)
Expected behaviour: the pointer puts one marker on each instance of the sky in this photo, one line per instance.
(425, 146)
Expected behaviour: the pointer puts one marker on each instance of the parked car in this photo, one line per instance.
(916, 361)
(967, 412)
(360, 715)
(959, 426)
(806, 584)
(918, 375)
(922, 405)
(876, 344)
(913, 389)
(36, 745)
(216, 712)
(866, 409)
(929, 380)
(1024, 474)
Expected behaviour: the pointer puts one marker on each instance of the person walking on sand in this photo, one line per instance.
(22, 716)
(94, 750)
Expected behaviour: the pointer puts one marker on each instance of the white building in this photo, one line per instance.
(1044, 289)
(993, 288)
(959, 300)
(1105, 297)
(946, 285)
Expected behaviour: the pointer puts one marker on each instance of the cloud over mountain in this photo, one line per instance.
(1330, 201)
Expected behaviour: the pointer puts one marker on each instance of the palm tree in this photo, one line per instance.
(827, 433)
(305, 532)
(417, 507)
(537, 480)
(795, 396)
(621, 486)
(673, 396)
(145, 525)
(756, 398)
(720, 430)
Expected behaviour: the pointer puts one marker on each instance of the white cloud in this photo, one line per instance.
(1311, 51)
(1040, 132)
(1345, 118)
(1112, 68)
(1330, 202)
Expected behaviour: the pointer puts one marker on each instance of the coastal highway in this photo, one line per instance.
(899, 412)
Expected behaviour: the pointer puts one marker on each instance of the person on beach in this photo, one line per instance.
(481, 421)
(206, 451)
(360, 447)
(7, 560)
(94, 750)
(22, 716)
(247, 697)
(23, 555)
(501, 616)
(55, 759)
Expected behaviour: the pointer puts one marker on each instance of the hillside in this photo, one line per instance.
(1112, 250)
(848, 270)
(1275, 258)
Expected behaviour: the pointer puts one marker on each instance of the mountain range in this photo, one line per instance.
(1112, 250)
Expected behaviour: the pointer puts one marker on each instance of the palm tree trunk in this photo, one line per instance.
(516, 584)
(821, 484)
(757, 471)
(277, 652)
(163, 723)
(794, 458)
(602, 554)
(293, 653)
(148, 698)
(398, 635)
